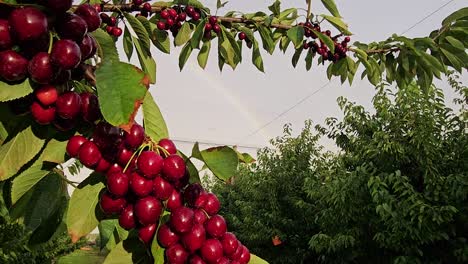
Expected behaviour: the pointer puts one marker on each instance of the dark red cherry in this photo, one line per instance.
(161, 25)
(238, 251)
(194, 239)
(59, 6)
(199, 216)
(168, 145)
(127, 218)
(195, 259)
(176, 254)
(182, 219)
(146, 233)
(165, 14)
(68, 105)
(216, 226)
(212, 250)
(134, 138)
(114, 168)
(150, 164)
(111, 205)
(213, 20)
(208, 27)
(166, 236)
(242, 36)
(192, 192)
(74, 145)
(40, 68)
(90, 107)
(112, 21)
(90, 15)
(116, 32)
(64, 124)
(245, 256)
(42, 114)
(6, 41)
(28, 23)
(13, 67)
(148, 210)
(196, 16)
(102, 166)
(71, 26)
(88, 47)
(89, 154)
(212, 204)
(66, 54)
(162, 189)
(182, 17)
(174, 201)
(190, 10)
(140, 185)
(46, 95)
(124, 156)
(230, 243)
(117, 184)
(173, 168)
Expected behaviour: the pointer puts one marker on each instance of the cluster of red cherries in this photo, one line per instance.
(143, 180)
(27, 34)
(172, 18)
(320, 48)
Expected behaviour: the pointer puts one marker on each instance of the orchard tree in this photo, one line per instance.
(65, 93)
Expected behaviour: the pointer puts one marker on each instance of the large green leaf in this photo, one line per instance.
(184, 55)
(296, 35)
(18, 151)
(128, 43)
(256, 260)
(331, 6)
(106, 45)
(325, 39)
(121, 87)
(267, 38)
(204, 54)
(183, 35)
(338, 24)
(127, 251)
(222, 161)
(455, 16)
(257, 56)
(161, 40)
(82, 217)
(14, 91)
(198, 34)
(140, 31)
(146, 60)
(153, 121)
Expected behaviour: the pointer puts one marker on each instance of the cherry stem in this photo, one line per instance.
(309, 7)
(51, 42)
(163, 150)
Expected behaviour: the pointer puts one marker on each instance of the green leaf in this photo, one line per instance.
(338, 24)
(14, 91)
(296, 35)
(198, 34)
(331, 7)
(456, 63)
(157, 251)
(308, 60)
(196, 152)
(83, 216)
(17, 152)
(184, 35)
(256, 260)
(106, 45)
(140, 31)
(325, 39)
(161, 40)
(462, 13)
(257, 56)
(106, 231)
(128, 43)
(26, 181)
(296, 56)
(184, 55)
(267, 38)
(146, 60)
(228, 53)
(204, 53)
(120, 86)
(275, 8)
(455, 43)
(153, 121)
(128, 251)
(222, 161)
(193, 171)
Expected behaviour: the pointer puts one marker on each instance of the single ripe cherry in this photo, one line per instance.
(71, 26)
(196, 259)
(59, 6)
(28, 23)
(168, 145)
(90, 15)
(212, 204)
(190, 10)
(6, 40)
(42, 115)
(172, 13)
(166, 236)
(173, 167)
(68, 105)
(146, 233)
(147, 7)
(177, 254)
(213, 20)
(134, 138)
(13, 67)
(212, 250)
(208, 27)
(117, 184)
(90, 107)
(114, 168)
(199, 216)
(242, 36)
(89, 154)
(102, 166)
(150, 164)
(88, 47)
(124, 156)
(194, 239)
(230, 243)
(245, 256)
(162, 189)
(66, 54)
(46, 95)
(182, 17)
(217, 28)
(182, 219)
(116, 32)
(196, 16)
(192, 192)
(127, 218)
(148, 210)
(174, 201)
(216, 226)
(40, 68)
(140, 185)
(112, 21)
(224, 260)
(111, 205)
(170, 22)
(74, 144)
(161, 25)
(238, 251)
(165, 14)
(137, 2)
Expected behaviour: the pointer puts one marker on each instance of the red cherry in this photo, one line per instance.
(196, 16)
(74, 144)
(116, 32)
(216, 226)
(147, 7)
(176, 254)
(212, 250)
(114, 168)
(192, 192)
(68, 105)
(174, 201)
(199, 216)
(117, 184)
(6, 40)
(71, 26)
(195, 259)
(66, 54)
(28, 23)
(170, 22)
(88, 47)
(97, 7)
(223, 260)
(14, 67)
(213, 20)
(90, 107)
(146, 233)
(194, 239)
(166, 236)
(182, 219)
(201, 200)
(90, 15)
(109, 29)
(140, 185)
(172, 13)
(242, 36)
(245, 256)
(42, 115)
(162, 189)
(168, 145)
(137, 2)
(161, 25)
(110, 205)
(89, 154)
(238, 251)
(347, 39)
(148, 210)
(182, 17)
(40, 68)
(217, 28)
(105, 18)
(190, 10)
(208, 27)
(46, 95)
(212, 204)
(165, 14)
(150, 164)
(102, 166)
(127, 218)
(112, 21)
(135, 137)
(230, 243)
(124, 156)
(173, 167)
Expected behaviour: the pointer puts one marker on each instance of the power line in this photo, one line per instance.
(426, 17)
(213, 143)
